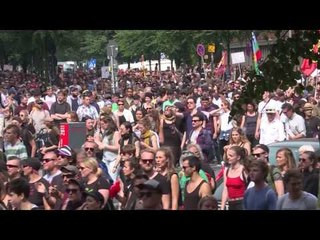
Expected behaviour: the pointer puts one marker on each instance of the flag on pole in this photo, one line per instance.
(256, 54)
(221, 68)
(307, 66)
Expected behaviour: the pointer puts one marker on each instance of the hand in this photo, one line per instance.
(40, 187)
(53, 191)
(43, 150)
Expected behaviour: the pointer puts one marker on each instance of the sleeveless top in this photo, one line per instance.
(108, 156)
(235, 186)
(250, 124)
(192, 199)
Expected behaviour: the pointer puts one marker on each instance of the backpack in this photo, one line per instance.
(42, 139)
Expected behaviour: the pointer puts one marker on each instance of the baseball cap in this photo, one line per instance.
(32, 162)
(65, 151)
(70, 169)
(96, 195)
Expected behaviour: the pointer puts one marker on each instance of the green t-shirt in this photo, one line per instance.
(114, 107)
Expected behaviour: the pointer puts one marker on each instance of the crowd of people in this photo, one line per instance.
(152, 143)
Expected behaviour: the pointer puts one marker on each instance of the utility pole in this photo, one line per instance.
(112, 52)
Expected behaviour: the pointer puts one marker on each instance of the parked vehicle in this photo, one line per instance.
(294, 145)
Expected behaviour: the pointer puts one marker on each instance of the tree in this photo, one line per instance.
(281, 68)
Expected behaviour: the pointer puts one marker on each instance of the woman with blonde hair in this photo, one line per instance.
(238, 138)
(285, 160)
(90, 171)
(164, 163)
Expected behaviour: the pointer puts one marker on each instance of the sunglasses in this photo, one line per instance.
(46, 160)
(196, 120)
(258, 154)
(300, 160)
(12, 166)
(146, 194)
(71, 190)
(68, 175)
(147, 160)
(87, 149)
(148, 108)
(120, 104)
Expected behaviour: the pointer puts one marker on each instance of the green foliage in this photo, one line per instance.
(281, 68)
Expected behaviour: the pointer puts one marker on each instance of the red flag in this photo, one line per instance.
(221, 68)
(306, 67)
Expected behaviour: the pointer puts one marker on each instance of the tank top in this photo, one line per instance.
(250, 124)
(235, 186)
(192, 199)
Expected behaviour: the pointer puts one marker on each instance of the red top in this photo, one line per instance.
(236, 187)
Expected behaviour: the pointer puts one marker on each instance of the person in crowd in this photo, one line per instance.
(148, 138)
(296, 198)
(294, 124)
(164, 164)
(307, 164)
(123, 114)
(147, 164)
(208, 203)
(285, 160)
(93, 201)
(91, 172)
(59, 109)
(261, 196)
(235, 179)
(108, 141)
(26, 137)
(196, 188)
(75, 191)
(19, 192)
(151, 193)
(169, 134)
(238, 138)
(72, 117)
(274, 178)
(13, 145)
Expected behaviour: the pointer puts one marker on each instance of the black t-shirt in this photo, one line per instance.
(35, 197)
(61, 109)
(100, 183)
(164, 184)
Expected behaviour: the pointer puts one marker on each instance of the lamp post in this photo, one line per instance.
(112, 52)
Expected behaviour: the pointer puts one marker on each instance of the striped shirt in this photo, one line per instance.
(18, 150)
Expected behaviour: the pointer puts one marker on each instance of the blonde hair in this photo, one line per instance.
(93, 164)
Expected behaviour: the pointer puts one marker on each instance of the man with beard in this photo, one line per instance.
(147, 165)
(60, 108)
(74, 99)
